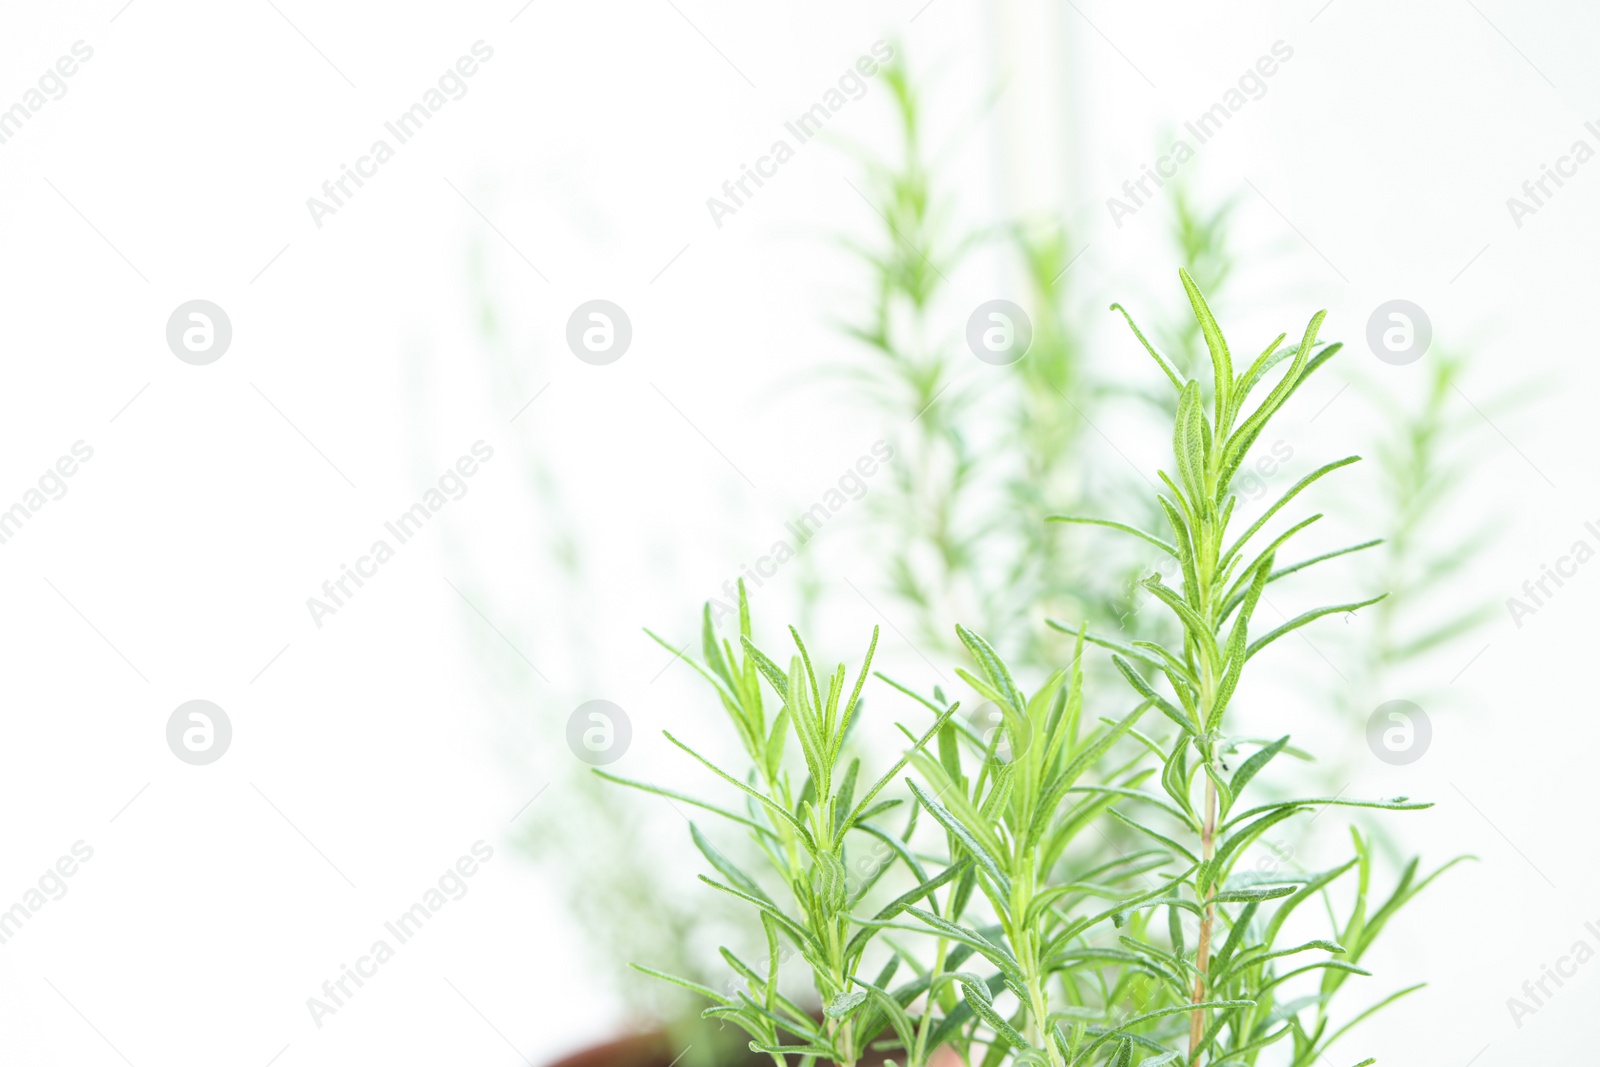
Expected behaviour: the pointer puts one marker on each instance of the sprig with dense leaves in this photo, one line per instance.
(1423, 463)
(1051, 399)
(1199, 234)
(1041, 779)
(1429, 446)
(964, 536)
(1023, 961)
(932, 512)
(1230, 978)
(801, 825)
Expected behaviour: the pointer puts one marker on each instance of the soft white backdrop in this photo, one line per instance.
(370, 753)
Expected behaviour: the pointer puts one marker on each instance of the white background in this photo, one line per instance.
(370, 753)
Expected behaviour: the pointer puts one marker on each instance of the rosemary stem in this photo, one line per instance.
(1202, 958)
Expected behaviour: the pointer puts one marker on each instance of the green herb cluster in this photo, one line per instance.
(1006, 897)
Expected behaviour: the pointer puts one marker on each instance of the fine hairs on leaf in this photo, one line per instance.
(1058, 878)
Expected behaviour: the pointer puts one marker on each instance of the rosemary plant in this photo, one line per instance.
(1230, 979)
(955, 546)
(929, 514)
(1009, 828)
(1050, 411)
(801, 829)
(1430, 445)
(1199, 235)
(1028, 931)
